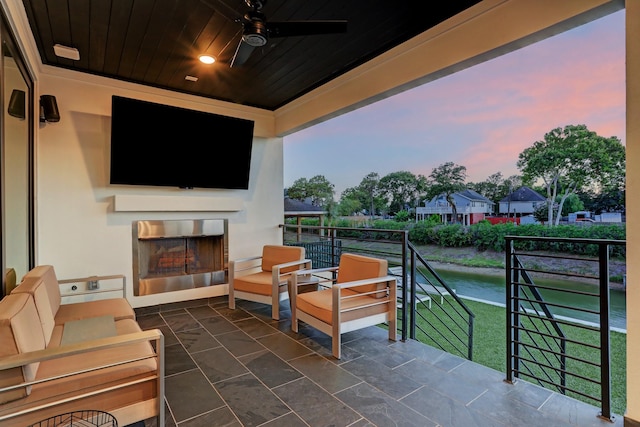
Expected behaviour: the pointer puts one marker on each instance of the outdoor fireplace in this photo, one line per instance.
(175, 255)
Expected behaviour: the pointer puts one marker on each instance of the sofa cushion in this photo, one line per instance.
(276, 254)
(41, 282)
(20, 332)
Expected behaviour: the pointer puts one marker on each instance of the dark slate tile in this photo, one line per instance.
(382, 377)
(285, 347)
(288, 420)
(435, 378)
(238, 343)
(379, 351)
(202, 312)
(449, 412)
(250, 400)
(578, 413)
(222, 417)
(181, 322)
(177, 360)
(529, 394)
(269, 368)
(327, 374)
(218, 364)
(255, 327)
(196, 340)
(169, 337)
(181, 305)
(218, 325)
(190, 394)
(314, 405)
(380, 409)
(513, 412)
(150, 321)
(233, 315)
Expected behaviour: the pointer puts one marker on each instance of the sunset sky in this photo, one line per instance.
(481, 118)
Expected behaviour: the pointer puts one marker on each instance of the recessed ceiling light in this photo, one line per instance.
(66, 52)
(207, 59)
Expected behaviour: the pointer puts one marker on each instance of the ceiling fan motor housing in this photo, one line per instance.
(255, 29)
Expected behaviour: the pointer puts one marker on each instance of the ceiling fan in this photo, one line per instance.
(256, 30)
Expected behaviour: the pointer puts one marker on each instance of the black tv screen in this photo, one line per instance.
(161, 145)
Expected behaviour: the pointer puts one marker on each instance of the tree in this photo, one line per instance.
(446, 179)
(369, 188)
(572, 159)
(318, 189)
(401, 190)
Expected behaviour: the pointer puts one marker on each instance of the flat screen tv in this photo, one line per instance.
(161, 145)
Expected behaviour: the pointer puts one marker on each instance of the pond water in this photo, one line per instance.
(492, 288)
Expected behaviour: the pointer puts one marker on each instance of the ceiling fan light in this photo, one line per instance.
(207, 59)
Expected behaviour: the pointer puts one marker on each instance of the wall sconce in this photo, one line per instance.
(16, 104)
(49, 109)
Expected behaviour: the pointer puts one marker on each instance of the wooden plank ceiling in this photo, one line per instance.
(157, 42)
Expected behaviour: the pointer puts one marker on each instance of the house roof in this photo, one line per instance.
(297, 207)
(473, 195)
(523, 194)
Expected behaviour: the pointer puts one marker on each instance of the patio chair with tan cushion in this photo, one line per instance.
(263, 278)
(356, 294)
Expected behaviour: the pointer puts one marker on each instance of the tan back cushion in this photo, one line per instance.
(37, 288)
(276, 254)
(48, 275)
(20, 332)
(358, 267)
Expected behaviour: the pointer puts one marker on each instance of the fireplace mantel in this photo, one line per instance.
(128, 203)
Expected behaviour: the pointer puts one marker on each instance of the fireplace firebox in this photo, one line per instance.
(174, 255)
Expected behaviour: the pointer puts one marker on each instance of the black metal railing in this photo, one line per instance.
(559, 352)
(428, 309)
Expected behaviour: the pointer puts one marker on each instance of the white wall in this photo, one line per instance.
(78, 230)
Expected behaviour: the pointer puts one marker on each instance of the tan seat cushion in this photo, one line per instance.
(276, 254)
(257, 283)
(318, 305)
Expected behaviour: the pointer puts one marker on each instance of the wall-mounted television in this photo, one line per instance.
(161, 145)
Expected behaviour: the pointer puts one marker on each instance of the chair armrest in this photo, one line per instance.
(86, 347)
(17, 360)
(304, 263)
(391, 286)
(242, 266)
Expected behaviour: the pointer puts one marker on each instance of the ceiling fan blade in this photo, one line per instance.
(306, 28)
(243, 52)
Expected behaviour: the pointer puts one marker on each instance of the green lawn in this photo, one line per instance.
(489, 349)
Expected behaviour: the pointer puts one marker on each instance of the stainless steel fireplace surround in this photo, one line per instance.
(175, 255)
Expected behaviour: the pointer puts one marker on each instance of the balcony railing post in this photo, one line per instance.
(405, 245)
(605, 343)
(509, 331)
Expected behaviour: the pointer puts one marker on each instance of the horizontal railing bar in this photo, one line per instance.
(568, 340)
(577, 359)
(541, 255)
(565, 388)
(553, 304)
(555, 273)
(551, 288)
(560, 321)
(567, 240)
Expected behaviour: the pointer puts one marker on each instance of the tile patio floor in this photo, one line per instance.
(240, 368)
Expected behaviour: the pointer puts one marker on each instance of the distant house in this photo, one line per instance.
(297, 209)
(471, 207)
(523, 201)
